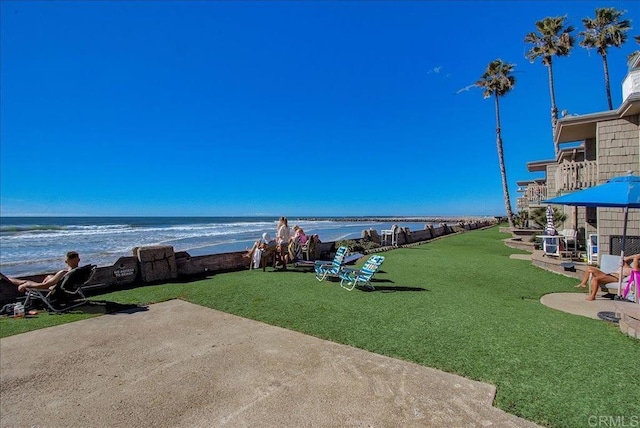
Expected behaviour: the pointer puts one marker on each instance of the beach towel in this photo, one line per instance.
(257, 256)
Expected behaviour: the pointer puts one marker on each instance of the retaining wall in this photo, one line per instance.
(159, 264)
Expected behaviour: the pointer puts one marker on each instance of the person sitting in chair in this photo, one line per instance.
(256, 252)
(601, 278)
(299, 234)
(72, 260)
(296, 242)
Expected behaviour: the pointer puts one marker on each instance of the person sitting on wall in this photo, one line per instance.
(72, 260)
(600, 278)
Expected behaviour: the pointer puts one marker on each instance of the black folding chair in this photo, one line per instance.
(67, 293)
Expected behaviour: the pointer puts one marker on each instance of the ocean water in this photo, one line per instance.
(32, 245)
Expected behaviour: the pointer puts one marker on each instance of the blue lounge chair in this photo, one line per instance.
(326, 268)
(350, 278)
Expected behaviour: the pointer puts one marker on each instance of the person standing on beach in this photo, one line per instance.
(72, 260)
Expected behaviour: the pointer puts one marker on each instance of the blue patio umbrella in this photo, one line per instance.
(618, 192)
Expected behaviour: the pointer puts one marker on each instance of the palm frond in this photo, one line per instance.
(497, 78)
(605, 30)
(552, 39)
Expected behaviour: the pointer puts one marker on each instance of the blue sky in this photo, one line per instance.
(311, 108)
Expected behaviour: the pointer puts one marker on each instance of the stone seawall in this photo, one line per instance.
(159, 264)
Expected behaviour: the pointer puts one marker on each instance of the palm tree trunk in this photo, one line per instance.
(606, 80)
(554, 109)
(503, 170)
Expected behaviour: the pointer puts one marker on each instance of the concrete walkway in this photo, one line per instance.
(520, 256)
(183, 365)
(576, 303)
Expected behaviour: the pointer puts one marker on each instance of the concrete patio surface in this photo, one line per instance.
(576, 303)
(182, 365)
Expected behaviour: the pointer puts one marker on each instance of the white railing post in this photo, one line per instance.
(572, 175)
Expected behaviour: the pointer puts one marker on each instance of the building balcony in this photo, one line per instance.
(534, 194)
(522, 204)
(572, 175)
(631, 83)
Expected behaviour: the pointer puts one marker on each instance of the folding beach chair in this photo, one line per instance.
(327, 268)
(350, 278)
(67, 293)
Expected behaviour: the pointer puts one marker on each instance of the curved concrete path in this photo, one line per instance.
(183, 365)
(576, 303)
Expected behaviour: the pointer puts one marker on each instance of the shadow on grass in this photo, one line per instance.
(292, 269)
(392, 289)
(106, 307)
(102, 307)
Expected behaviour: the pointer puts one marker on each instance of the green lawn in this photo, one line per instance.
(457, 304)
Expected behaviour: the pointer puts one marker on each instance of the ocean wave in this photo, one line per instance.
(215, 244)
(33, 228)
(209, 229)
(28, 262)
(10, 231)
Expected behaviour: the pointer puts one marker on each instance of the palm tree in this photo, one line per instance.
(604, 31)
(552, 39)
(497, 81)
(539, 217)
(632, 54)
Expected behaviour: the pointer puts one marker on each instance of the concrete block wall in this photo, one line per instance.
(124, 271)
(421, 235)
(188, 265)
(157, 263)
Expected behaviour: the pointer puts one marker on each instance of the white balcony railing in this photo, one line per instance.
(535, 193)
(572, 175)
(631, 83)
(522, 204)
